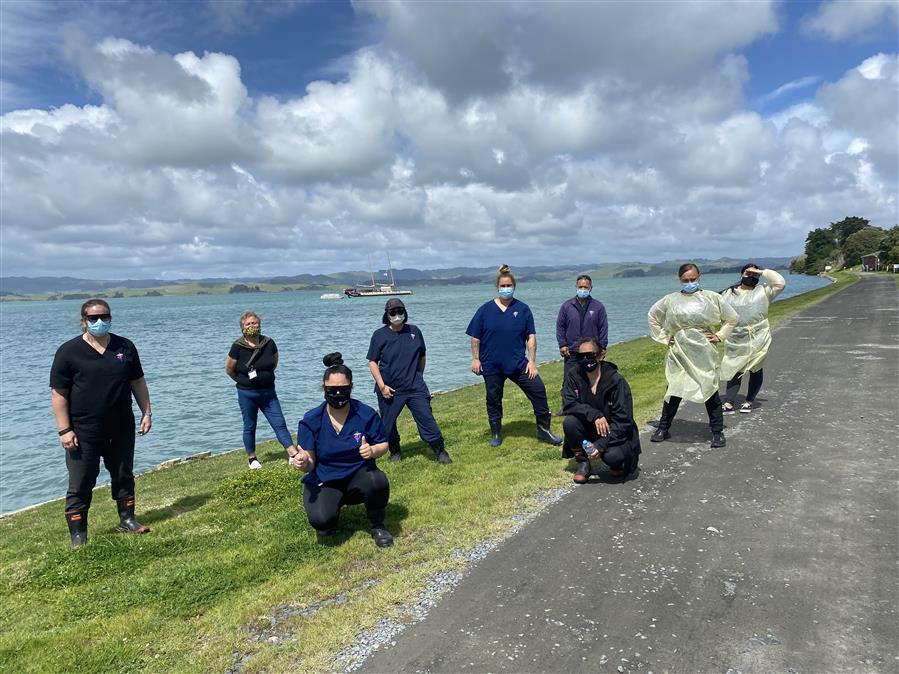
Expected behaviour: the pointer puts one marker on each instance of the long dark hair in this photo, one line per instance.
(740, 282)
(334, 365)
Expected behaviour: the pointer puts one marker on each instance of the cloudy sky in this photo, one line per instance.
(179, 140)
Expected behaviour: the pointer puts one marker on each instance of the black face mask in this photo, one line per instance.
(589, 364)
(750, 281)
(337, 396)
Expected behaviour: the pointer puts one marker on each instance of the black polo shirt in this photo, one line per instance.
(397, 355)
(99, 384)
(264, 364)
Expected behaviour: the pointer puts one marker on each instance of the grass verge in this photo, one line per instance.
(232, 577)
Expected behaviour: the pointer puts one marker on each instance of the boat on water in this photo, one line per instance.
(331, 296)
(376, 289)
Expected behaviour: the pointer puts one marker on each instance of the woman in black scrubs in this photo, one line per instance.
(338, 442)
(92, 381)
(597, 401)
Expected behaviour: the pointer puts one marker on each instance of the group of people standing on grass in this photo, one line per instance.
(95, 375)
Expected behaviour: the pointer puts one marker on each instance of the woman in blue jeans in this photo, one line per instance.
(251, 364)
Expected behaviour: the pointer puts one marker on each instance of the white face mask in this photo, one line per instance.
(397, 320)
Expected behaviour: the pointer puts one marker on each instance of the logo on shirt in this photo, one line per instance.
(120, 357)
(514, 314)
(357, 436)
(591, 312)
(412, 335)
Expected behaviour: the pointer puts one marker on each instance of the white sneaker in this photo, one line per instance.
(255, 465)
(746, 408)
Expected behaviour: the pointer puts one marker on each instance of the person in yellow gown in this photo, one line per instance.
(747, 346)
(691, 323)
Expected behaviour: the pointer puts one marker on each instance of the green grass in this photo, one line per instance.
(231, 553)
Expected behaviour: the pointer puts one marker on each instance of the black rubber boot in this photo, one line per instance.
(393, 444)
(544, 434)
(440, 452)
(718, 439)
(660, 435)
(77, 521)
(127, 523)
(496, 428)
(582, 474)
(379, 534)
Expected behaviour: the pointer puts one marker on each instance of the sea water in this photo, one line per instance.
(183, 342)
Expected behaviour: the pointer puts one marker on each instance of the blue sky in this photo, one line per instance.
(453, 133)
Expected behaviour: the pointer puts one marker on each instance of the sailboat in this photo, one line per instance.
(376, 290)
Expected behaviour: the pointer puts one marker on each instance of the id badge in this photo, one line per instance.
(251, 373)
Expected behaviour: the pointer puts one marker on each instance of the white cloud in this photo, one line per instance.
(179, 171)
(852, 19)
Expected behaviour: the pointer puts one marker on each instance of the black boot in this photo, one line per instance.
(380, 535)
(718, 439)
(543, 432)
(77, 521)
(440, 452)
(393, 444)
(496, 428)
(660, 435)
(127, 523)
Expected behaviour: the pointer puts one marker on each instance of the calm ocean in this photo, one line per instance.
(183, 342)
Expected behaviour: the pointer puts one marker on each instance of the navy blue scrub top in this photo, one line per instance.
(397, 355)
(337, 455)
(503, 335)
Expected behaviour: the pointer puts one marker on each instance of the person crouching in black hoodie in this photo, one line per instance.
(597, 401)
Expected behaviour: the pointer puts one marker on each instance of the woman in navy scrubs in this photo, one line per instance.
(338, 442)
(501, 330)
(396, 358)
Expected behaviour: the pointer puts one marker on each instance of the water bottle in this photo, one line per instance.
(591, 451)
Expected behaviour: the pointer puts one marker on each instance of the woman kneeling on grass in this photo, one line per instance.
(599, 422)
(338, 442)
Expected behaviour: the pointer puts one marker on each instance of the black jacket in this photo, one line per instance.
(612, 401)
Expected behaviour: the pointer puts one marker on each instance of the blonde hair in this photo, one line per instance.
(245, 315)
(505, 272)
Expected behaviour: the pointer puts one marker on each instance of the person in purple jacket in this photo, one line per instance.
(581, 317)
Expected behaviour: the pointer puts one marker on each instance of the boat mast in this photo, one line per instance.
(390, 269)
(370, 271)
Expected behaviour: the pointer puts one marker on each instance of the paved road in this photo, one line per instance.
(776, 553)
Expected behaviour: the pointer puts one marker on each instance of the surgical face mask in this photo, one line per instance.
(506, 293)
(583, 293)
(251, 331)
(690, 287)
(99, 327)
(337, 396)
(750, 281)
(397, 319)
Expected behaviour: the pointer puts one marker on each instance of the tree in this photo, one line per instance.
(797, 264)
(820, 249)
(867, 240)
(891, 246)
(846, 227)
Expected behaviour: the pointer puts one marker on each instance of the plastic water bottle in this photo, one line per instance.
(590, 450)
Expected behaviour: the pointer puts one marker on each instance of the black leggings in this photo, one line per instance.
(367, 485)
(733, 386)
(712, 407)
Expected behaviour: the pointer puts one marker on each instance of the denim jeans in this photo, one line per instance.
(251, 401)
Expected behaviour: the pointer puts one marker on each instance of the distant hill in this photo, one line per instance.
(13, 287)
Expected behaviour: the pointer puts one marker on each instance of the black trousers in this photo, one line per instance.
(569, 364)
(115, 445)
(367, 485)
(755, 385)
(577, 429)
(712, 407)
(534, 389)
(419, 404)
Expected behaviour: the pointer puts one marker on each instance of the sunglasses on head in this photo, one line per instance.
(97, 317)
(396, 312)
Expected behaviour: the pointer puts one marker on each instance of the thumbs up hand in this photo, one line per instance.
(365, 450)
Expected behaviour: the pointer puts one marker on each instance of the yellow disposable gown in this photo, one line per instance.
(692, 362)
(747, 346)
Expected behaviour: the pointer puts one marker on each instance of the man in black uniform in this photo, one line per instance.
(396, 358)
(92, 380)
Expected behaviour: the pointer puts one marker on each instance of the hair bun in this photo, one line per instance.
(333, 359)
(504, 269)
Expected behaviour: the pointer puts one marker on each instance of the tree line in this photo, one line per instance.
(843, 244)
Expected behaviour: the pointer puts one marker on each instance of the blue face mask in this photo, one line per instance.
(583, 294)
(506, 293)
(690, 287)
(99, 327)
